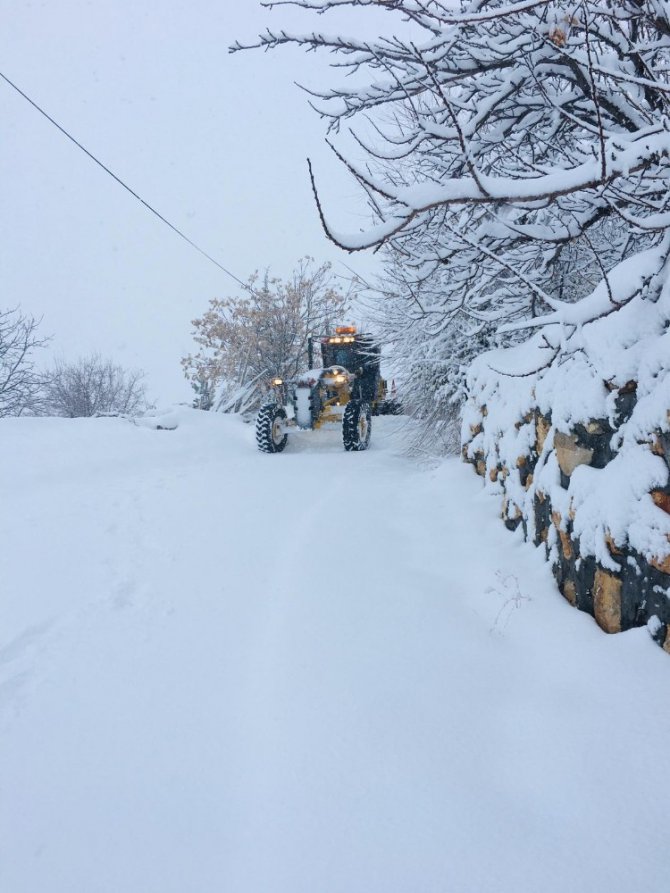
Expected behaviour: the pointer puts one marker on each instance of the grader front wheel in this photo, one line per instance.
(356, 426)
(270, 434)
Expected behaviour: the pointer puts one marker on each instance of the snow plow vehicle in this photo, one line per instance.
(347, 390)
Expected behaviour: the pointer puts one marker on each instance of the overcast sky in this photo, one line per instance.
(215, 142)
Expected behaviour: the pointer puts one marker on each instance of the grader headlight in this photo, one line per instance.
(335, 377)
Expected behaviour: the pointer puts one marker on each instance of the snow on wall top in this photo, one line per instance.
(602, 364)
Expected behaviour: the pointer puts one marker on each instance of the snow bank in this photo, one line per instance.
(572, 430)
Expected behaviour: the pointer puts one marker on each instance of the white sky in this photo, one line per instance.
(215, 142)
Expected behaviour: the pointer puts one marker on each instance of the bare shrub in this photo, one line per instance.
(93, 386)
(19, 382)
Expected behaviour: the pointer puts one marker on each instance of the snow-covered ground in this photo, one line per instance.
(318, 672)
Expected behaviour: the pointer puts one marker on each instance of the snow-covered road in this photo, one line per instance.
(319, 672)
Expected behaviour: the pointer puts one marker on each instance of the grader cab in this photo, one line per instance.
(346, 389)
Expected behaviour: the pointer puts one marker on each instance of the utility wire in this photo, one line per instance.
(125, 185)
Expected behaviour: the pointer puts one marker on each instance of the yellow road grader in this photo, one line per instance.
(347, 390)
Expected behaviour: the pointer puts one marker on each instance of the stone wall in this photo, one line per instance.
(596, 569)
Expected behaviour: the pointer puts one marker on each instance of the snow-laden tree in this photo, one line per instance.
(502, 145)
(432, 350)
(429, 355)
(20, 382)
(245, 340)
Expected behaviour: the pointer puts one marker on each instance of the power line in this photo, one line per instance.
(125, 185)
